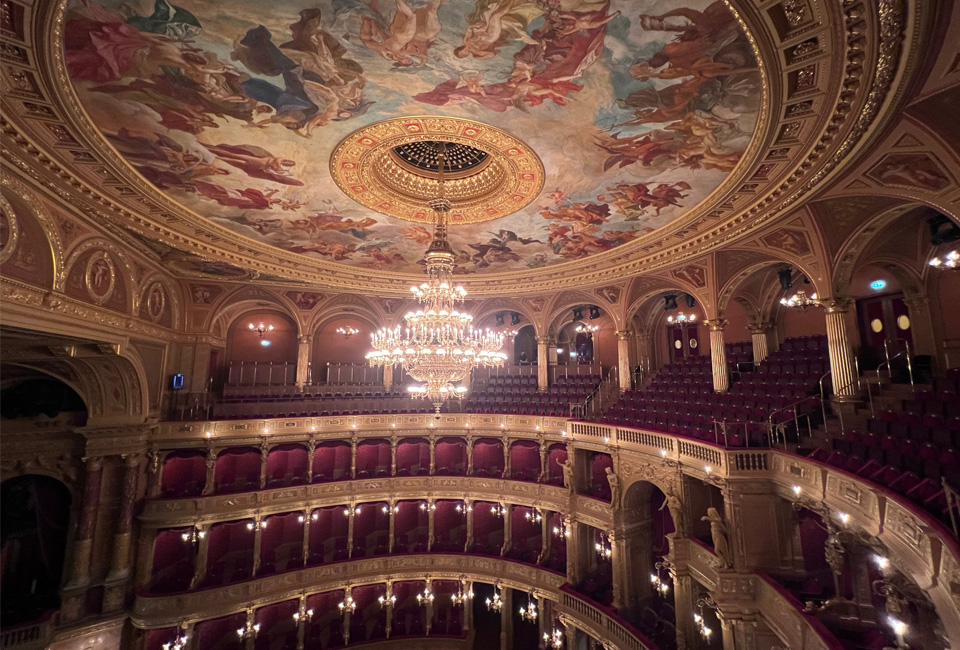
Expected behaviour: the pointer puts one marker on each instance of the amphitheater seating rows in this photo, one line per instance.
(516, 394)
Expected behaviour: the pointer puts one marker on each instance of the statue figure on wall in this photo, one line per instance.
(721, 543)
(673, 504)
(567, 466)
(614, 482)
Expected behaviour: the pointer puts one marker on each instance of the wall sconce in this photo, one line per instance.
(351, 510)
(261, 328)
(529, 613)
(347, 332)
(495, 604)
(604, 550)
(194, 536)
(259, 524)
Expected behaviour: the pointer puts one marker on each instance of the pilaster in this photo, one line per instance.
(625, 360)
(543, 363)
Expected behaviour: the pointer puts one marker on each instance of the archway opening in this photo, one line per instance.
(40, 396)
(34, 523)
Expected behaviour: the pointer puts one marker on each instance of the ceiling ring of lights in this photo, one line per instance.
(367, 167)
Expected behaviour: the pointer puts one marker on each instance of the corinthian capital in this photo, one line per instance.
(836, 305)
(715, 324)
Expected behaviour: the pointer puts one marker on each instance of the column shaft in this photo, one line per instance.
(303, 360)
(506, 620)
(87, 525)
(843, 372)
(507, 528)
(759, 335)
(543, 363)
(120, 561)
(209, 487)
(388, 377)
(625, 361)
(718, 355)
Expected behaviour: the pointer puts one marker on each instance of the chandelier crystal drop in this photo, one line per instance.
(439, 346)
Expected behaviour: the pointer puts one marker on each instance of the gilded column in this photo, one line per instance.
(87, 524)
(644, 359)
(469, 455)
(718, 355)
(687, 634)
(306, 535)
(506, 458)
(429, 607)
(759, 336)
(311, 452)
(115, 591)
(353, 458)
(200, 563)
(574, 559)
(507, 528)
(264, 454)
(351, 515)
(506, 619)
(303, 360)
(209, 486)
(468, 606)
(543, 363)
(468, 507)
(544, 456)
(624, 360)
(545, 537)
(924, 341)
(257, 541)
(155, 459)
(433, 455)
(391, 526)
(393, 456)
(842, 367)
(430, 531)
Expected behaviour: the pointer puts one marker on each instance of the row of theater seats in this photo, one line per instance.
(293, 407)
(658, 620)
(519, 395)
(680, 399)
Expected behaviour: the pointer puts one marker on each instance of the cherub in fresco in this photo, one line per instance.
(316, 51)
(291, 205)
(321, 221)
(497, 250)
(378, 259)
(262, 226)
(418, 234)
(245, 199)
(256, 162)
(633, 199)
(337, 252)
(557, 195)
(537, 260)
(490, 25)
(397, 43)
(572, 22)
(644, 148)
(577, 212)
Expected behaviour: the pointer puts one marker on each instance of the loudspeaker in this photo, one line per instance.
(514, 318)
(577, 313)
(786, 278)
(691, 301)
(594, 312)
(669, 302)
(942, 230)
(499, 320)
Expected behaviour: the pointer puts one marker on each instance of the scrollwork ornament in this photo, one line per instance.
(9, 230)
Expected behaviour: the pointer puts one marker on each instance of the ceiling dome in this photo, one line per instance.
(625, 116)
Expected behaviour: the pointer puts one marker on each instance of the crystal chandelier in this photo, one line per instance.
(438, 346)
(800, 300)
(950, 260)
(529, 613)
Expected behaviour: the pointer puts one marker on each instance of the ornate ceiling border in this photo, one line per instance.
(788, 157)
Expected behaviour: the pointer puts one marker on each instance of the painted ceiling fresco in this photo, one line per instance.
(637, 109)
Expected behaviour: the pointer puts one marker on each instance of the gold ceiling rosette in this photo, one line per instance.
(387, 167)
